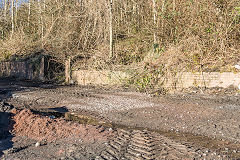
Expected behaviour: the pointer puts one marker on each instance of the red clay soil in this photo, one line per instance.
(42, 128)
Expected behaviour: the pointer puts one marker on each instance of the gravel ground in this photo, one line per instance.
(195, 113)
(203, 120)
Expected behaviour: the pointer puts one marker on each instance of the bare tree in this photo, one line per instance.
(163, 10)
(174, 5)
(111, 54)
(5, 8)
(16, 12)
(12, 16)
(154, 21)
(40, 19)
(29, 11)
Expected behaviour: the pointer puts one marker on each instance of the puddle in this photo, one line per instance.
(47, 113)
(84, 119)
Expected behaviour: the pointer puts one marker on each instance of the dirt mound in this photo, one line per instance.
(42, 128)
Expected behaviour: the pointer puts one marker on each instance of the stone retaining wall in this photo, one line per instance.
(208, 79)
(86, 77)
(23, 69)
(183, 80)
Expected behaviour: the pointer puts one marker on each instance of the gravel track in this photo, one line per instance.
(212, 117)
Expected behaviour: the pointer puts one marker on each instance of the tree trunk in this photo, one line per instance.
(174, 5)
(154, 22)
(111, 54)
(43, 17)
(40, 18)
(16, 12)
(163, 12)
(29, 12)
(5, 9)
(12, 16)
(44, 5)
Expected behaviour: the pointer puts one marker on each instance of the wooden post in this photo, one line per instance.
(68, 70)
(41, 69)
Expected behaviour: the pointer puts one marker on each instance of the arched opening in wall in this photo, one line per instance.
(53, 70)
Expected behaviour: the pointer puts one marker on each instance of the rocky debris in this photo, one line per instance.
(13, 150)
(5, 107)
(37, 144)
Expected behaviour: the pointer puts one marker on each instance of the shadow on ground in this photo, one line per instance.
(5, 135)
(9, 86)
(60, 109)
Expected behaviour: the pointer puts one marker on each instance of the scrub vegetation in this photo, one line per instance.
(150, 37)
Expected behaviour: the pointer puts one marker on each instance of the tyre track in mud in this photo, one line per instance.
(141, 143)
(146, 145)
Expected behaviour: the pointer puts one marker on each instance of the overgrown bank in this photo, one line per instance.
(150, 37)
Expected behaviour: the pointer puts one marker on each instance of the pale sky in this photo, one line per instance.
(19, 2)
